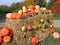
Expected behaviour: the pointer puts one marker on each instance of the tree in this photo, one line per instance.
(16, 6)
(28, 2)
(4, 8)
(42, 3)
(56, 7)
(50, 4)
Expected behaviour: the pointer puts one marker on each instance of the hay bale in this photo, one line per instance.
(17, 24)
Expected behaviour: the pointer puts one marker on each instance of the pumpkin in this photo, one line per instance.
(24, 9)
(20, 12)
(45, 25)
(10, 33)
(14, 15)
(29, 27)
(56, 35)
(1, 40)
(24, 35)
(34, 40)
(37, 8)
(51, 25)
(43, 10)
(18, 16)
(4, 31)
(8, 15)
(0, 33)
(31, 7)
(34, 27)
(7, 39)
(53, 30)
(25, 14)
(49, 11)
(41, 20)
(24, 28)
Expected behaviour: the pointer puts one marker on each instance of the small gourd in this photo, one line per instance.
(29, 27)
(7, 39)
(34, 40)
(24, 28)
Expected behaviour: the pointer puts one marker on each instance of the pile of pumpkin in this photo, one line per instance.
(55, 34)
(5, 34)
(24, 13)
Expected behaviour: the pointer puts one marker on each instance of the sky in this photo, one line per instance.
(9, 2)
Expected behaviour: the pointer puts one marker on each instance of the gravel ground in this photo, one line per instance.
(57, 23)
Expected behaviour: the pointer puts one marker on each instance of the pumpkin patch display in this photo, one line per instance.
(7, 39)
(1, 40)
(31, 26)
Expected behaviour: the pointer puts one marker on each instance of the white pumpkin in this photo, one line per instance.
(24, 28)
(24, 9)
(37, 7)
(20, 12)
(56, 35)
(43, 9)
(8, 15)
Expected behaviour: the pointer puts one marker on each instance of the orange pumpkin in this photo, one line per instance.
(49, 11)
(25, 14)
(8, 15)
(34, 40)
(10, 32)
(1, 40)
(18, 16)
(53, 30)
(29, 27)
(0, 33)
(7, 39)
(4, 31)
(31, 7)
(13, 16)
